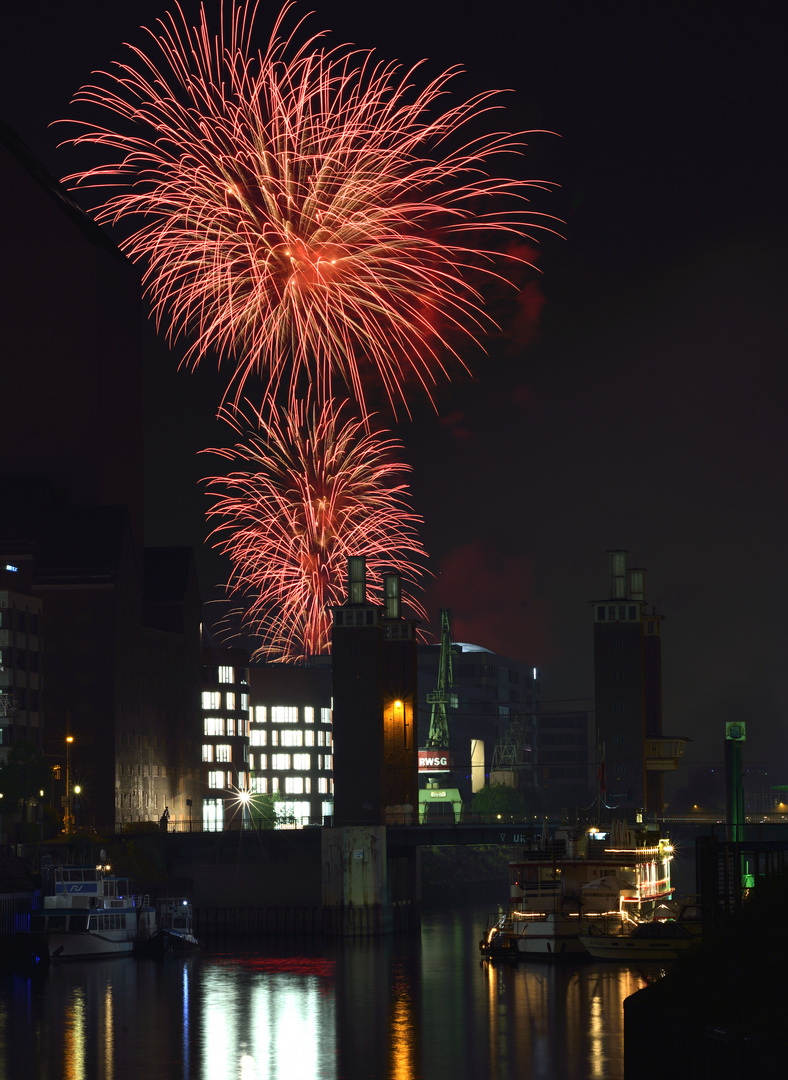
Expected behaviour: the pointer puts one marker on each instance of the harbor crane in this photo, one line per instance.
(440, 697)
(436, 796)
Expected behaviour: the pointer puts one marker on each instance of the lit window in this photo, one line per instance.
(298, 812)
(274, 738)
(244, 702)
(257, 737)
(291, 738)
(302, 762)
(230, 726)
(260, 714)
(328, 809)
(309, 738)
(322, 785)
(284, 714)
(216, 779)
(207, 752)
(309, 714)
(325, 716)
(230, 699)
(280, 761)
(223, 752)
(259, 785)
(262, 761)
(321, 738)
(294, 785)
(226, 675)
(274, 783)
(213, 725)
(211, 699)
(212, 815)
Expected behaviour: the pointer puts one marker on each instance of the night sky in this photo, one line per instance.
(635, 396)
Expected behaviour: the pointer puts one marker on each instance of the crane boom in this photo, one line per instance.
(440, 697)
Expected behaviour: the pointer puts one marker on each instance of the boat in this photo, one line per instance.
(661, 938)
(586, 877)
(89, 914)
(174, 935)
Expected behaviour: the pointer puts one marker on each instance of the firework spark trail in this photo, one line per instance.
(312, 489)
(307, 213)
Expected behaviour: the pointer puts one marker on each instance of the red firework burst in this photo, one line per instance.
(313, 490)
(304, 212)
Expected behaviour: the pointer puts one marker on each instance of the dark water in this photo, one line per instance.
(396, 1009)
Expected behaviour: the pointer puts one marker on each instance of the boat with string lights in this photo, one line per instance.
(667, 936)
(579, 878)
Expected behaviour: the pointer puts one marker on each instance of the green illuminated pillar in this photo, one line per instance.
(735, 735)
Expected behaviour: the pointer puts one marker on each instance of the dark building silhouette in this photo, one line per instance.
(118, 644)
(374, 678)
(628, 692)
(567, 758)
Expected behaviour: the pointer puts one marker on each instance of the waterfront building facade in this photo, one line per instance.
(226, 704)
(21, 660)
(291, 743)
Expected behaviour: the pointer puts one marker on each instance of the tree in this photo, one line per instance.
(498, 799)
(24, 774)
(262, 810)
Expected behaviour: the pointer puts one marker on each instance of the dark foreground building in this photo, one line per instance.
(374, 677)
(633, 753)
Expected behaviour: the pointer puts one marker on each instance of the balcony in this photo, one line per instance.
(664, 752)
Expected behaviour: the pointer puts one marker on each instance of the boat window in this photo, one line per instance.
(78, 923)
(38, 923)
(57, 922)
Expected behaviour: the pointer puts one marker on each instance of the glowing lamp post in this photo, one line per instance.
(67, 818)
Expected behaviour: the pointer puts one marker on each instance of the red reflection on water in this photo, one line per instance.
(291, 965)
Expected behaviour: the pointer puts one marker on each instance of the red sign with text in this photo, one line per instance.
(433, 761)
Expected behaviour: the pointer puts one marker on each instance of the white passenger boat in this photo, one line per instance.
(586, 878)
(89, 914)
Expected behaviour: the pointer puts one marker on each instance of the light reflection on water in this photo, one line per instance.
(408, 1008)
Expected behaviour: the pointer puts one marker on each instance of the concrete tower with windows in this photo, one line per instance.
(374, 674)
(628, 693)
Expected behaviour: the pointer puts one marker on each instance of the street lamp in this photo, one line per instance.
(69, 741)
(77, 790)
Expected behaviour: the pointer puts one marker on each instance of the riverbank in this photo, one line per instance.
(724, 1005)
